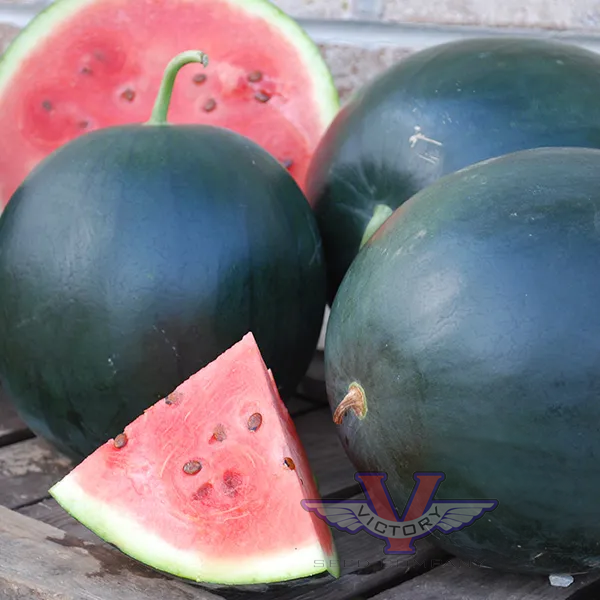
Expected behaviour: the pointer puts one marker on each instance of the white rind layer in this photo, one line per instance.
(122, 530)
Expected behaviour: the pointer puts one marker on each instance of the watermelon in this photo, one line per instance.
(465, 339)
(142, 245)
(81, 65)
(207, 483)
(437, 111)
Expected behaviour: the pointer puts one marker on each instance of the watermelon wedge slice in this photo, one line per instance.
(81, 65)
(207, 484)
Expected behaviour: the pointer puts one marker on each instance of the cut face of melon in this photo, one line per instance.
(207, 484)
(82, 65)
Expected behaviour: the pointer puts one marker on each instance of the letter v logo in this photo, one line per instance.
(379, 500)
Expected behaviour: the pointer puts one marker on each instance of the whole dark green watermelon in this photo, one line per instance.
(132, 257)
(471, 321)
(440, 110)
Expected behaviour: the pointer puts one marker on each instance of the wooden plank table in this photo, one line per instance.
(46, 554)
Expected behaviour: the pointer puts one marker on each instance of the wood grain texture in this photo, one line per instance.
(40, 562)
(49, 511)
(27, 470)
(12, 429)
(365, 569)
(363, 564)
(459, 580)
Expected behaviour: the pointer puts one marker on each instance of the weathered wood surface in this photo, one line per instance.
(364, 571)
(40, 562)
(27, 470)
(50, 512)
(45, 553)
(363, 565)
(460, 580)
(12, 429)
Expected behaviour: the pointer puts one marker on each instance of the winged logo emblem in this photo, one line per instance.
(377, 515)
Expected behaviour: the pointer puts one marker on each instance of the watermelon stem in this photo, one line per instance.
(355, 400)
(380, 215)
(163, 98)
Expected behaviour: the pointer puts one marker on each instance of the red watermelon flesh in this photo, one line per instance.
(207, 484)
(87, 64)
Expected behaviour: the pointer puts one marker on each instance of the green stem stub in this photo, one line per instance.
(355, 401)
(163, 98)
(381, 213)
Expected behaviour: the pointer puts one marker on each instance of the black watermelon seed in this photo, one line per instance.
(210, 105)
(219, 434)
(255, 421)
(120, 441)
(262, 96)
(192, 467)
(128, 95)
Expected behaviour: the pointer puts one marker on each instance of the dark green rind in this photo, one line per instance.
(477, 98)
(132, 257)
(471, 319)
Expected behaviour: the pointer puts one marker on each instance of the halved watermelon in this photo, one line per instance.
(81, 65)
(207, 484)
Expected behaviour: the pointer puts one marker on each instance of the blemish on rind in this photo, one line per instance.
(419, 136)
(355, 401)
